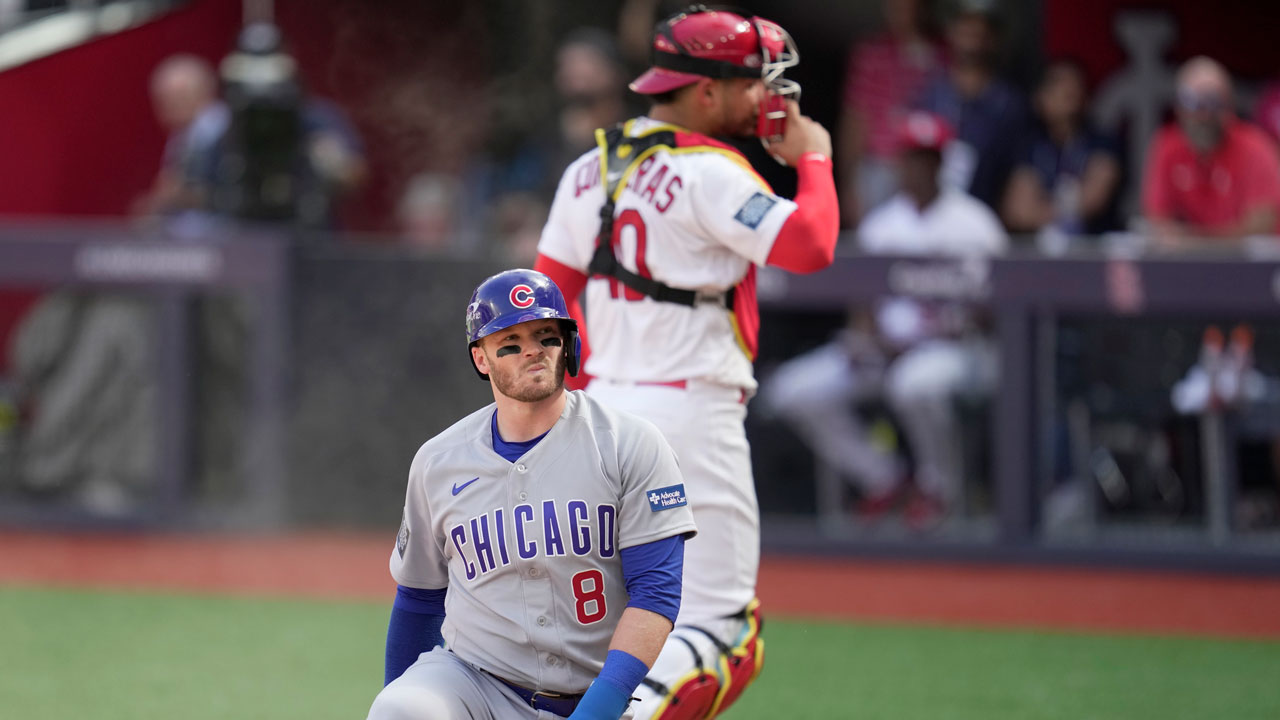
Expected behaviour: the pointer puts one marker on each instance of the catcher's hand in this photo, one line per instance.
(804, 135)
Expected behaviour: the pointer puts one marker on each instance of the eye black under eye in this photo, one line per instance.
(506, 350)
(552, 342)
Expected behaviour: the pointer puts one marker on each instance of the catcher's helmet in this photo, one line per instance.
(516, 296)
(698, 42)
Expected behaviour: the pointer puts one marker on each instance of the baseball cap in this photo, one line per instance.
(921, 130)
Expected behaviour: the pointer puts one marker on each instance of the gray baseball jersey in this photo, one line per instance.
(530, 550)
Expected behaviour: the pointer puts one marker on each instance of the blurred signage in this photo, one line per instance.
(1126, 294)
(148, 263)
(960, 279)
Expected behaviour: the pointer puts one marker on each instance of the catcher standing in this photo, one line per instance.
(664, 227)
(542, 537)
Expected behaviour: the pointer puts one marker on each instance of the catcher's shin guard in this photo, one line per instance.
(741, 664)
(693, 696)
(706, 692)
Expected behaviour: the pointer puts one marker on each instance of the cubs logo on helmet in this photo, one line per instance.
(515, 296)
(522, 296)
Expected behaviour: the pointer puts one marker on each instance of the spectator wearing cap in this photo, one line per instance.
(989, 115)
(883, 76)
(1210, 178)
(927, 216)
(941, 351)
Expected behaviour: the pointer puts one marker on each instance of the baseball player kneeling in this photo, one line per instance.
(539, 559)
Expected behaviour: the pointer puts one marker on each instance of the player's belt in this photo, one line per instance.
(681, 384)
(558, 703)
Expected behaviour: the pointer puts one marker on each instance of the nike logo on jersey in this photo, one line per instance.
(459, 488)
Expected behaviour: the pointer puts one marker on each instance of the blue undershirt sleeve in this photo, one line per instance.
(414, 628)
(652, 575)
(608, 696)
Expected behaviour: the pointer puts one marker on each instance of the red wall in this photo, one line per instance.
(76, 129)
(1239, 33)
(78, 135)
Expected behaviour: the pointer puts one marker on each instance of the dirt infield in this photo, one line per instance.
(355, 567)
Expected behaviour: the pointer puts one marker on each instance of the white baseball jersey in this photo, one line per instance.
(529, 550)
(696, 218)
(954, 224)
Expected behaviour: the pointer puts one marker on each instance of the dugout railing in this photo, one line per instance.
(1029, 297)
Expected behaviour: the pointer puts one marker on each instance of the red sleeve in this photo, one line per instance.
(1156, 200)
(571, 283)
(807, 241)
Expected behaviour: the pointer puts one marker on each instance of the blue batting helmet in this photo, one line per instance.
(515, 296)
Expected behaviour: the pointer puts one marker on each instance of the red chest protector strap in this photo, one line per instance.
(620, 156)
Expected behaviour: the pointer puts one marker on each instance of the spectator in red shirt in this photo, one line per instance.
(883, 75)
(1210, 176)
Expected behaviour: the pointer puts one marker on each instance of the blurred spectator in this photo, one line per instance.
(184, 96)
(1210, 177)
(590, 82)
(516, 224)
(882, 77)
(429, 212)
(431, 218)
(508, 191)
(824, 394)
(286, 156)
(988, 114)
(931, 349)
(1068, 173)
(927, 216)
(635, 29)
(940, 353)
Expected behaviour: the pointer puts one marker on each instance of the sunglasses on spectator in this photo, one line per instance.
(1201, 101)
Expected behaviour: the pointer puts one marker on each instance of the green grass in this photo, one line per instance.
(102, 656)
(872, 672)
(71, 655)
